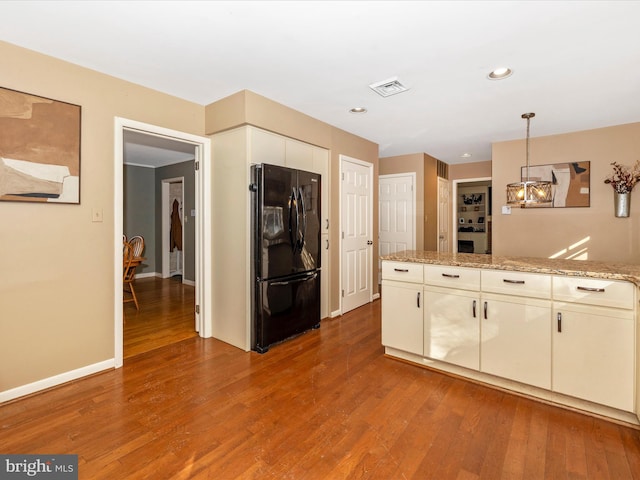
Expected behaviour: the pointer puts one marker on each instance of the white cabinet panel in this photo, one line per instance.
(402, 324)
(266, 147)
(515, 339)
(299, 155)
(325, 304)
(452, 326)
(321, 166)
(593, 354)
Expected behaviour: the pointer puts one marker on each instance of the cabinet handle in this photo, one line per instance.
(486, 316)
(559, 322)
(474, 309)
(327, 224)
(418, 300)
(449, 275)
(327, 244)
(519, 282)
(403, 270)
(591, 289)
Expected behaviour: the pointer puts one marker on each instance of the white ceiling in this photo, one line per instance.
(576, 63)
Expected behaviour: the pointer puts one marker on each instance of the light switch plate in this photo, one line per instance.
(96, 215)
(506, 210)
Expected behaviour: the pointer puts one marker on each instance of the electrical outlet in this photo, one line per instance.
(506, 210)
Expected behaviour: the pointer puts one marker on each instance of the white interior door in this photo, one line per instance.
(357, 235)
(396, 213)
(444, 214)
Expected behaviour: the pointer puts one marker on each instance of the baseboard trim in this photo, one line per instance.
(376, 296)
(146, 275)
(56, 380)
(335, 313)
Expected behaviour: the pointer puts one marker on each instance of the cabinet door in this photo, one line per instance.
(321, 166)
(266, 147)
(452, 326)
(299, 155)
(325, 306)
(593, 354)
(402, 323)
(515, 336)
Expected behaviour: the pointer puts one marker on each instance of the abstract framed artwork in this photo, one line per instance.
(39, 149)
(570, 182)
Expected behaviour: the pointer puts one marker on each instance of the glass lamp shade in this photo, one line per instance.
(529, 193)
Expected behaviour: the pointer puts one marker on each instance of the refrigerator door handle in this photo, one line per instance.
(309, 276)
(303, 232)
(292, 201)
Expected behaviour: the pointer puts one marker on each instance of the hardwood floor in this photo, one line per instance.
(166, 315)
(326, 405)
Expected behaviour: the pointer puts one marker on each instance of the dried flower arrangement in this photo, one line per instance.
(624, 178)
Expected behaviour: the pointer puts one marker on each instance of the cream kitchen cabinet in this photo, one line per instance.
(562, 336)
(593, 345)
(515, 329)
(402, 306)
(452, 315)
(452, 326)
(515, 339)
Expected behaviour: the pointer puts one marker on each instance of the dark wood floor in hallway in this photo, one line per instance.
(326, 405)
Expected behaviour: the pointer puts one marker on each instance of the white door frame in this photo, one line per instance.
(203, 225)
(345, 158)
(166, 225)
(454, 209)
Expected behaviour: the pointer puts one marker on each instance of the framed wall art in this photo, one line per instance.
(570, 182)
(39, 149)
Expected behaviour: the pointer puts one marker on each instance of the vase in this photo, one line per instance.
(622, 204)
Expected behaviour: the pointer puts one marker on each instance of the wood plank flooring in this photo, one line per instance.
(326, 405)
(166, 315)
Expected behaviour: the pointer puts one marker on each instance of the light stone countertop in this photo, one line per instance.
(574, 268)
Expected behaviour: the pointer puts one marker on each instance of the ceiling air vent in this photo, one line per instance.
(388, 87)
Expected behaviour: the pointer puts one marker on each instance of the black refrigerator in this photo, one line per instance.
(286, 254)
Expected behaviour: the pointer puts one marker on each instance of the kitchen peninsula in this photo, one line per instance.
(562, 331)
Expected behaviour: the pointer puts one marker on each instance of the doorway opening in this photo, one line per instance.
(155, 138)
(472, 207)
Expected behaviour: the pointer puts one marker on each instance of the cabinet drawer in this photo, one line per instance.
(402, 271)
(594, 291)
(454, 277)
(516, 283)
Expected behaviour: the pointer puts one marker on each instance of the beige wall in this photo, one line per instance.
(545, 232)
(246, 107)
(462, 171)
(407, 164)
(56, 280)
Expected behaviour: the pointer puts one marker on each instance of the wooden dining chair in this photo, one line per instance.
(128, 274)
(137, 243)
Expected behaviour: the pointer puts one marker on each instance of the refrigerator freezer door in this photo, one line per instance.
(286, 308)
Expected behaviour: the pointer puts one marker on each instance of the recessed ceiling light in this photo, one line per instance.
(500, 73)
(358, 110)
(465, 155)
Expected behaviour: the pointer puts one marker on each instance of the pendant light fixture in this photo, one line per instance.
(534, 193)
